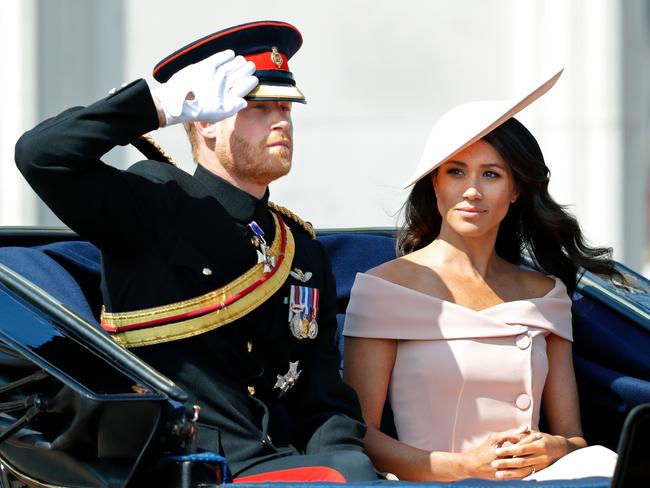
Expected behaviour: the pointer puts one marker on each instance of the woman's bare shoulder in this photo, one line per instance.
(532, 283)
(409, 271)
(392, 270)
(403, 270)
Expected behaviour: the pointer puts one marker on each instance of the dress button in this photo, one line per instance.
(251, 390)
(523, 401)
(523, 341)
(206, 271)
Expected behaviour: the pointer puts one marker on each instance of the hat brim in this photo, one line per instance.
(462, 126)
(269, 92)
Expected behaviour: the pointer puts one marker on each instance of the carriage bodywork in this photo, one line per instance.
(78, 410)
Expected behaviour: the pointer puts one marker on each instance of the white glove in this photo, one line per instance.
(210, 90)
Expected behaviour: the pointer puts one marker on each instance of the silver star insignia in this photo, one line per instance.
(286, 382)
(265, 256)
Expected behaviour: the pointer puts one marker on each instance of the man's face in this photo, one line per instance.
(256, 144)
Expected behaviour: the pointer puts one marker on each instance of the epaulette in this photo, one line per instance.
(152, 150)
(306, 226)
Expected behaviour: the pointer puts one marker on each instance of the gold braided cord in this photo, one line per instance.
(148, 138)
(288, 213)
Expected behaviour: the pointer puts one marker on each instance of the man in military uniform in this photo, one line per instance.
(225, 293)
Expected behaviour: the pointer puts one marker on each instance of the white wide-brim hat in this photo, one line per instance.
(464, 125)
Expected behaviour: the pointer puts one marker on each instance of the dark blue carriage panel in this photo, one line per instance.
(612, 365)
(99, 407)
(69, 272)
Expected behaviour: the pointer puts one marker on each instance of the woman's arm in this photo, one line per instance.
(562, 413)
(368, 368)
(560, 402)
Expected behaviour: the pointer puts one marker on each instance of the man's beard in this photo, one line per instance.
(256, 164)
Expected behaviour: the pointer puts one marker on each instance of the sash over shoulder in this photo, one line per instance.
(382, 309)
(215, 309)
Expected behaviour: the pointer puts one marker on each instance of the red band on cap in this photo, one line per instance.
(265, 60)
(221, 34)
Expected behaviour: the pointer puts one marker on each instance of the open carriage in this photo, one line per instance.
(77, 410)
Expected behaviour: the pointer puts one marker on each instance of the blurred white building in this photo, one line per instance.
(377, 75)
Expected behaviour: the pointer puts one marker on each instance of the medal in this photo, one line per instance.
(264, 254)
(303, 309)
(295, 324)
(287, 381)
(313, 329)
(304, 329)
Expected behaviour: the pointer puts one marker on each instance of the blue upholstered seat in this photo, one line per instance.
(46, 267)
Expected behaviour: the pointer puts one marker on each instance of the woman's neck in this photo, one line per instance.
(469, 256)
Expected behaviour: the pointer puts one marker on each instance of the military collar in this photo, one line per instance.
(242, 206)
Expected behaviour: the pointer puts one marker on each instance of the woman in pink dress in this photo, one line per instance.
(466, 344)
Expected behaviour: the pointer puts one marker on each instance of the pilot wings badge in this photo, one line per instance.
(300, 275)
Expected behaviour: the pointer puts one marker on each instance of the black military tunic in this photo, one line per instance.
(167, 236)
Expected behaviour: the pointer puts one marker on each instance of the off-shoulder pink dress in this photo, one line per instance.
(459, 374)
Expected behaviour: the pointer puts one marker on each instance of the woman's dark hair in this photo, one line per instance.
(534, 223)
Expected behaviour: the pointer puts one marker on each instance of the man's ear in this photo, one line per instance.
(206, 129)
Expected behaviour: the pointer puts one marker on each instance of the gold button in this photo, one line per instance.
(251, 390)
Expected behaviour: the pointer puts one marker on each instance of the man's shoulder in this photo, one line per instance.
(161, 172)
(295, 223)
(157, 170)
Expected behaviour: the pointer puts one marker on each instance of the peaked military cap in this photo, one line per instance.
(269, 44)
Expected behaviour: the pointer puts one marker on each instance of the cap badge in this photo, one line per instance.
(287, 381)
(303, 310)
(276, 57)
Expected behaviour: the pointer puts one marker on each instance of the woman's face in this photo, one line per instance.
(474, 190)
